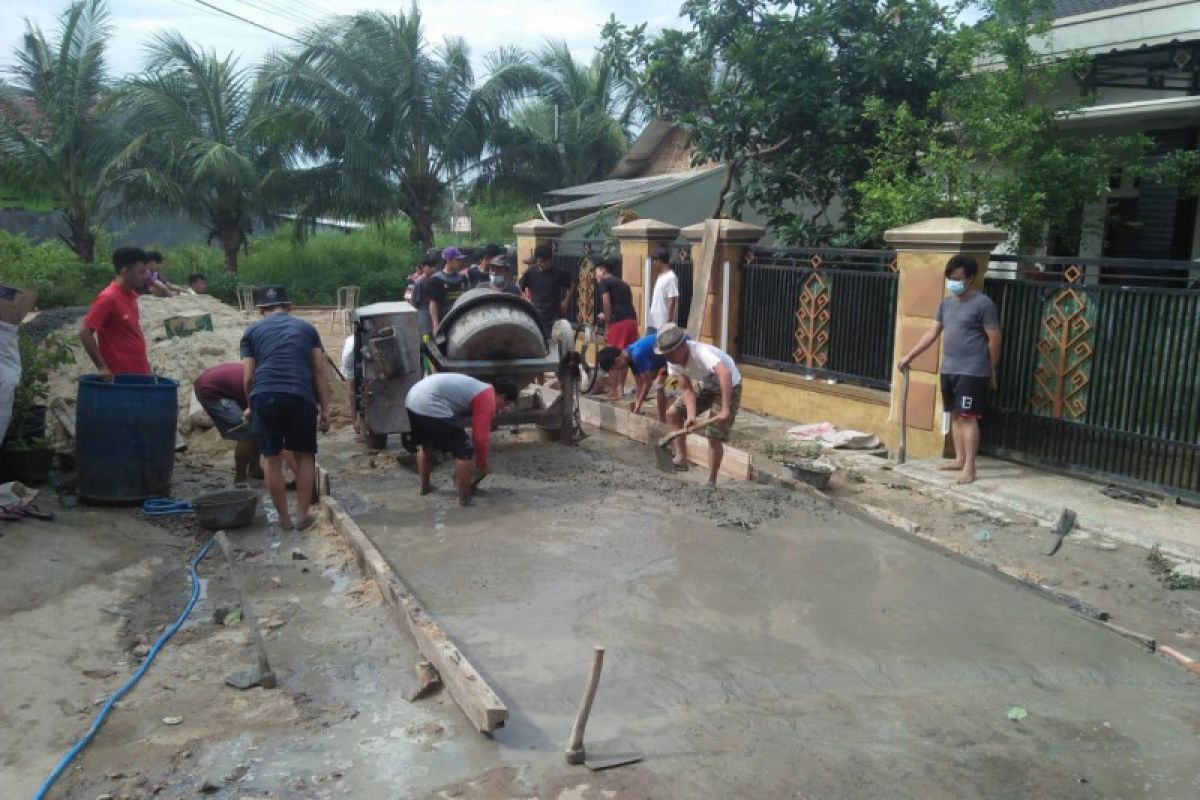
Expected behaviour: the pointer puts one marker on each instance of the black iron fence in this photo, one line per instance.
(821, 312)
(578, 259)
(1100, 368)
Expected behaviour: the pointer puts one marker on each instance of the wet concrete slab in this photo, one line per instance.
(761, 644)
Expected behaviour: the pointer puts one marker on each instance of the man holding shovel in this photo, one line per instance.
(696, 364)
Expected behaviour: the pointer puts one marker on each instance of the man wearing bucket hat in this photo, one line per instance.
(697, 364)
(447, 286)
(283, 369)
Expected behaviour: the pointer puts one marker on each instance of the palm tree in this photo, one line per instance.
(53, 140)
(573, 132)
(386, 121)
(199, 146)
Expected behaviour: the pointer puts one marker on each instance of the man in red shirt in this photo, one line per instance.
(121, 349)
(221, 391)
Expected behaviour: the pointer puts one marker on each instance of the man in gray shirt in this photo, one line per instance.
(969, 358)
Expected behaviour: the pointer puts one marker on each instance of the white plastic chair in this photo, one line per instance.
(245, 298)
(347, 301)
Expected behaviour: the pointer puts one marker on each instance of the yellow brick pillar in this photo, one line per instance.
(922, 251)
(718, 327)
(638, 240)
(531, 234)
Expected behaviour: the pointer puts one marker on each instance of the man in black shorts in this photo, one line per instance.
(284, 373)
(438, 408)
(970, 356)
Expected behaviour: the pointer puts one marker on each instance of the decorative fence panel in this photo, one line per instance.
(821, 312)
(578, 259)
(1100, 368)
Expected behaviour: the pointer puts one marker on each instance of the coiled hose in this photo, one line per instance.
(133, 679)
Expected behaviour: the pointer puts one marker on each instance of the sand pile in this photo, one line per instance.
(183, 358)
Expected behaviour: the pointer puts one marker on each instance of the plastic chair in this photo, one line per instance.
(245, 298)
(347, 301)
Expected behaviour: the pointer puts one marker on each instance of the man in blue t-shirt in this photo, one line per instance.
(645, 364)
(283, 368)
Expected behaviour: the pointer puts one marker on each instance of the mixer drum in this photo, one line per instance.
(486, 325)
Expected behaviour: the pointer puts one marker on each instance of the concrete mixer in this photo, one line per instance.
(488, 335)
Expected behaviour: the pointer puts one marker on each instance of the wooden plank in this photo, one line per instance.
(736, 465)
(472, 693)
(702, 272)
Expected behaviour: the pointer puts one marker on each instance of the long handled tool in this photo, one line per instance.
(263, 676)
(901, 451)
(612, 754)
(662, 450)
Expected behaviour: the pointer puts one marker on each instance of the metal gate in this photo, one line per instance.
(1100, 368)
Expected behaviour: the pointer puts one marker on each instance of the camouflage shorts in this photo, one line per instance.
(710, 398)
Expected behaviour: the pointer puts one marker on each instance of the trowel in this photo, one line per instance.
(662, 451)
(608, 754)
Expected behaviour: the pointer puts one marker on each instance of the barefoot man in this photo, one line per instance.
(970, 356)
(438, 407)
(710, 368)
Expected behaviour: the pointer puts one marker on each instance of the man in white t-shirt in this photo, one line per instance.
(664, 301)
(708, 379)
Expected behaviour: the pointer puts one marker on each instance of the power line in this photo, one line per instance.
(250, 22)
(277, 9)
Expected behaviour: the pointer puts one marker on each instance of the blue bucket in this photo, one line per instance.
(125, 437)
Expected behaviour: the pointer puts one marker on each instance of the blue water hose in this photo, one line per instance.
(133, 679)
(166, 507)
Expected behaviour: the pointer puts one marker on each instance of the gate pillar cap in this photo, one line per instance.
(946, 234)
(646, 230)
(732, 232)
(538, 228)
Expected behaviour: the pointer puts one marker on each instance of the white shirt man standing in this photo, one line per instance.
(664, 301)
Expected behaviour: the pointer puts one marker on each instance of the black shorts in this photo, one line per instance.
(965, 394)
(284, 422)
(444, 435)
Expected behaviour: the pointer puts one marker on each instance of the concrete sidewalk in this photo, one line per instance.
(1041, 494)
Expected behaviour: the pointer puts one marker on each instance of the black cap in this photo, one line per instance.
(271, 296)
(501, 263)
(661, 254)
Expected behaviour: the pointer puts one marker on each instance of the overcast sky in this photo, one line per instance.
(486, 24)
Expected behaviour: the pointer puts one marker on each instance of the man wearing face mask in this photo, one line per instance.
(970, 356)
(500, 271)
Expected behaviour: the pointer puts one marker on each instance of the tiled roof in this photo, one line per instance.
(1071, 8)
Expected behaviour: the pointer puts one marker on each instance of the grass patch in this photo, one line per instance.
(854, 476)
(1163, 569)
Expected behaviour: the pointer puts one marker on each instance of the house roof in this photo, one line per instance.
(643, 148)
(1073, 8)
(602, 194)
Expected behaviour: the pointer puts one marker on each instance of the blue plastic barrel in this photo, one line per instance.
(125, 437)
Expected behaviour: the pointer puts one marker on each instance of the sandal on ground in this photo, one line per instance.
(680, 467)
(7, 517)
(18, 511)
(306, 523)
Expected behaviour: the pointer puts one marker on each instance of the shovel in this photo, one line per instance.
(662, 450)
(902, 449)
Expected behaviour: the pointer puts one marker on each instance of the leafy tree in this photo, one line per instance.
(200, 147)
(573, 132)
(387, 121)
(982, 149)
(53, 139)
(777, 90)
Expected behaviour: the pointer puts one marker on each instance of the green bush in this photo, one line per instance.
(52, 270)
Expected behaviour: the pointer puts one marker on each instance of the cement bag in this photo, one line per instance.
(197, 415)
(10, 372)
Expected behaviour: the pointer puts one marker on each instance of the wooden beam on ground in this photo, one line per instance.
(472, 693)
(736, 465)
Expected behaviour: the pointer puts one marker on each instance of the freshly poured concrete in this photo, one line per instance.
(761, 645)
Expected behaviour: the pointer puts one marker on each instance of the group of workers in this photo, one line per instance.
(273, 403)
